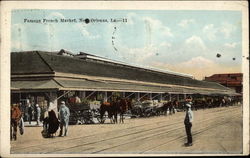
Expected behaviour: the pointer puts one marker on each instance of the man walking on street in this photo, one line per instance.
(64, 119)
(38, 114)
(188, 121)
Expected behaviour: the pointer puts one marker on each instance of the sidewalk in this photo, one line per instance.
(32, 124)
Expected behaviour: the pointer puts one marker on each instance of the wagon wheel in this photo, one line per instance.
(74, 118)
(100, 120)
(88, 119)
(96, 114)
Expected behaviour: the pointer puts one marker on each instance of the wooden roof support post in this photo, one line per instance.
(82, 94)
(110, 95)
(105, 98)
(137, 96)
(164, 97)
(150, 96)
(160, 97)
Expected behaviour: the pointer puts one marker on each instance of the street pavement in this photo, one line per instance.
(215, 131)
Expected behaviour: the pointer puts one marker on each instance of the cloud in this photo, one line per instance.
(157, 26)
(227, 29)
(199, 67)
(186, 22)
(195, 42)
(138, 55)
(132, 17)
(84, 31)
(165, 44)
(197, 62)
(231, 45)
(210, 31)
(55, 15)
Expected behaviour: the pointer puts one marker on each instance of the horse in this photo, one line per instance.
(50, 125)
(113, 108)
(16, 120)
(165, 108)
(106, 107)
(173, 106)
(124, 105)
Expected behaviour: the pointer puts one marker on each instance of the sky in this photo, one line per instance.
(175, 40)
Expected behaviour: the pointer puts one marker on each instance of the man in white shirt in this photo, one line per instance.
(64, 114)
(188, 121)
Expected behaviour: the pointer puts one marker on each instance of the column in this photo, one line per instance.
(53, 102)
(160, 97)
(105, 98)
(82, 94)
(185, 96)
(137, 96)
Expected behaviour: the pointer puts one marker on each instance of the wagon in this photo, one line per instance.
(144, 109)
(80, 113)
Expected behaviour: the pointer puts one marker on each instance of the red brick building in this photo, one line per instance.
(230, 80)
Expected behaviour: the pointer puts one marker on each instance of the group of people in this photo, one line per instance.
(52, 122)
(31, 112)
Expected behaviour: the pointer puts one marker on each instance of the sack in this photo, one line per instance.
(21, 126)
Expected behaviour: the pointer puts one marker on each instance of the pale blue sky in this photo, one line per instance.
(183, 41)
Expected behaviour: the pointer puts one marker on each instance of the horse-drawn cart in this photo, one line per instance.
(80, 113)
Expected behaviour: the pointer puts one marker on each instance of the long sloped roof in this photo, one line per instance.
(38, 62)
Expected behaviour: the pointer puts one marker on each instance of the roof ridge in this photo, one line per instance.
(37, 52)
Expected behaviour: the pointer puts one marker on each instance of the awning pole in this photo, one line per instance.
(129, 95)
(90, 94)
(156, 95)
(143, 96)
(62, 95)
(164, 97)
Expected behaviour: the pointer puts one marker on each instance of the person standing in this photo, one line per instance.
(64, 114)
(16, 115)
(188, 121)
(30, 112)
(38, 114)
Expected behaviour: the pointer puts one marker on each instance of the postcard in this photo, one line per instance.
(121, 78)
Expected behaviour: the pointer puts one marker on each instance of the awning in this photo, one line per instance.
(34, 85)
(98, 85)
(83, 84)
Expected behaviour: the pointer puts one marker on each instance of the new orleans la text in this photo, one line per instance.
(74, 20)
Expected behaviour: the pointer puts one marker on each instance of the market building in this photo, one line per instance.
(48, 77)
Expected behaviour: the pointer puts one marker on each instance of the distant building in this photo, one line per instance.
(230, 80)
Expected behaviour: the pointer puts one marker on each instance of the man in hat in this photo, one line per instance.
(64, 118)
(38, 114)
(188, 121)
